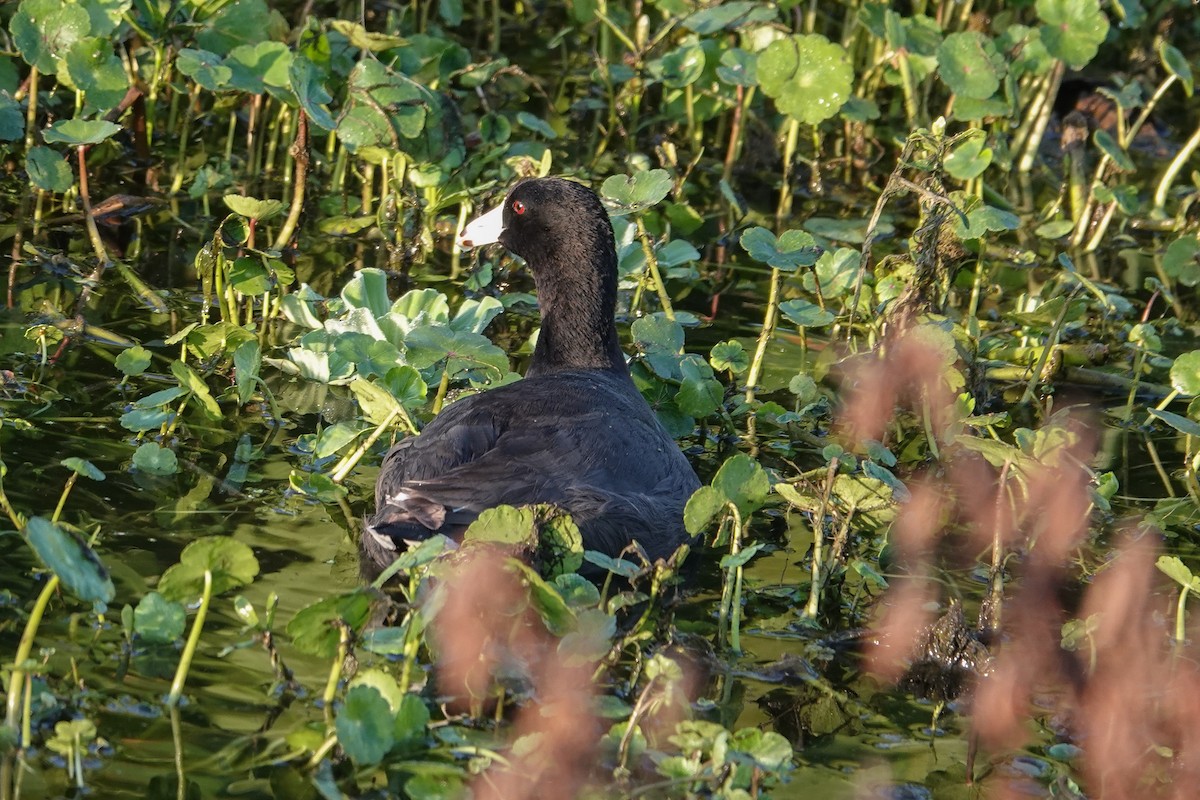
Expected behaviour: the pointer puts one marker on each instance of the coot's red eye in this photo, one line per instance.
(518, 207)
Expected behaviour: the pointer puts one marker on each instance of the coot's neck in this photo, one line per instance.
(577, 296)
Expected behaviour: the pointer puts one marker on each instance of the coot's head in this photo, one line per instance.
(549, 222)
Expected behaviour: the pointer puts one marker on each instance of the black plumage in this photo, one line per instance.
(575, 432)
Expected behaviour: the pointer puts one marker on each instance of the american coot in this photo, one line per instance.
(574, 433)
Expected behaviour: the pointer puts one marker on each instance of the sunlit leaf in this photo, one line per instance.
(159, 620)
(77, 132)
(808, 76)
(231, 563)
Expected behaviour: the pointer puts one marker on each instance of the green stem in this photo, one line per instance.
(784, 208)
(1180, 632)
(16, 680)
(193, 640)
(343, 469)
(1177, 164)
(770, 317)
(335, 672)
(655, 274)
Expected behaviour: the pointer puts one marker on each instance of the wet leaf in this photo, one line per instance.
(728, 16)
(808, 76)
(364, 725)
(44, 29)
(699, 393)
(71, 559)
(704, 504)
(231, 563)
(158, 620)
(738, 67)
(153, 459)
(48, 170)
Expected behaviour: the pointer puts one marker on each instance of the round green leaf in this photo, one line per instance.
(80, 132)
(159, 620)
(969, 65)
(683, 66)
(636, 192)
(154, 459)
(71, 559)
(738, 67)
(743, 482)
(364, 725)
(44, 29)
(1185, 373)
(133, 361)
(730, 355)
(231, 563)
(48, 170)
(808, 76)
(97, 72)
(1181, 261)
(1072, 29)
(791, 250)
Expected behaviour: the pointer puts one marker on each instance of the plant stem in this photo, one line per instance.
(343, 469)
(1173, 169)
(1039, 117)
(818, 523)
(299, 153)
(652, 266)
(335, 672)
(770, 317)
(1180, 632)
(784, 208)
(189, 649)
(16, 680)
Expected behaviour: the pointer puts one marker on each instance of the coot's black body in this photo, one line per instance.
(575, 432)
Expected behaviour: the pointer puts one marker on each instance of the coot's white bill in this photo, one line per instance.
(484, 229)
